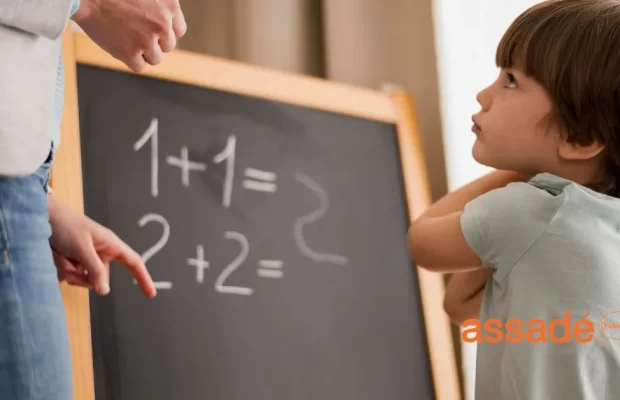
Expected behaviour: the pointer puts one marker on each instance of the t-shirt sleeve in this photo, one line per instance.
(502, 224)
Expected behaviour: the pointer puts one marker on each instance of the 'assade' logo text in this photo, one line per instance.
(539, 331)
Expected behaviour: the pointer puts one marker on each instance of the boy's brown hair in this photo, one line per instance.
(572, 48)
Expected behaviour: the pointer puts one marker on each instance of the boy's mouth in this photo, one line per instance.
(475, 127)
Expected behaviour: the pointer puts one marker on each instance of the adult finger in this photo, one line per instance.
(62, 264)
(168, 42)
(98, 273)
(132, 260)
(153, 55)
(69, 272)
(77, 280)
(136, 63)
(178, 23)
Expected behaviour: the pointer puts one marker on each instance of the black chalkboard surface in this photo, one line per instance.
(276, 234)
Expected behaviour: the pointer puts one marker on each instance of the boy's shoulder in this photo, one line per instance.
(543, 186)
(548, 195)
(502, 224)
(520, 202)
(539, 197)
(550, 183)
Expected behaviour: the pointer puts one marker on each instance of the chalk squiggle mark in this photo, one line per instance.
(313, 217)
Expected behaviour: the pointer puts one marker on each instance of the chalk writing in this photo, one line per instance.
(226, 277)
(311, 218)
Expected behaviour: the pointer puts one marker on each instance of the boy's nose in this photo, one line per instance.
(484, 99)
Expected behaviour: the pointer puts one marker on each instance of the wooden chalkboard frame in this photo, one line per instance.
(391, 105)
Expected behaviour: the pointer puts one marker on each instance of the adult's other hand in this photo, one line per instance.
(135, 32)
(83, 250)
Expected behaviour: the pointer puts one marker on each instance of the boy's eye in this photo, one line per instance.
(511, 82)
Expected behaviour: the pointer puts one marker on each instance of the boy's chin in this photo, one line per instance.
(482, 157)
(489, 161)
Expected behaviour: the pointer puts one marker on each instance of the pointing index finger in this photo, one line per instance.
(138, 270)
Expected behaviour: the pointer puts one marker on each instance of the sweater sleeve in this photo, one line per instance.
(74, 7)
(46, 18)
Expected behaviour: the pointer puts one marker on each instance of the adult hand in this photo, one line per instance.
(135, 32)
(83, 250)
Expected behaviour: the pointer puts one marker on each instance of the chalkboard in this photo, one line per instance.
(276, 234)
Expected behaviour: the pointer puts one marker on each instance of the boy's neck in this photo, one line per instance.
(586, 173)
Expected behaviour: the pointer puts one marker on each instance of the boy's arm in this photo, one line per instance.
(46, 18)
(465, 288)
(436, 241)
(464, 294)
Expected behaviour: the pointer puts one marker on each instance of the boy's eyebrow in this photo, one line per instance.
(515, 70)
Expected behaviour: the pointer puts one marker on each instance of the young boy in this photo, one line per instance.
(535, 246)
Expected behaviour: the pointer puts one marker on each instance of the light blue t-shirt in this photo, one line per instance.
(554, 246)
(60, 91)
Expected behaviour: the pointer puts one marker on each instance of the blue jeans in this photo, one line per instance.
(35, 361)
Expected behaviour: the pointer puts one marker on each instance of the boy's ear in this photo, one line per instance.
(573, 151)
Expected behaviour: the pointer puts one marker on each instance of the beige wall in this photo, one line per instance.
(390, 41)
